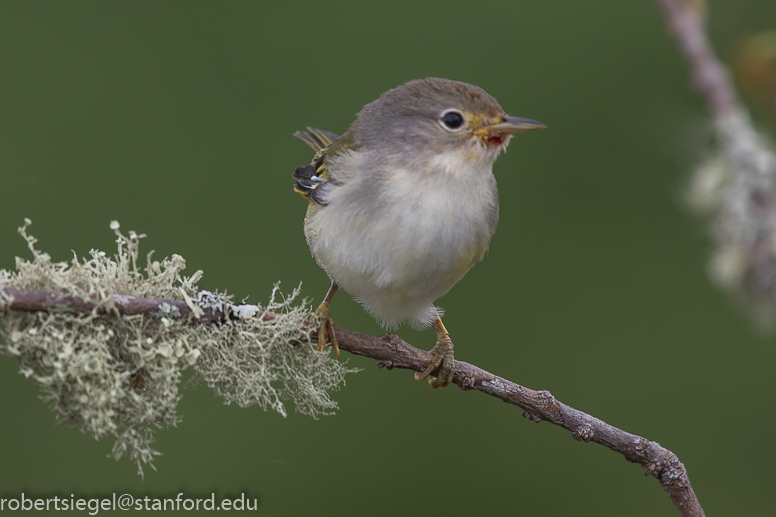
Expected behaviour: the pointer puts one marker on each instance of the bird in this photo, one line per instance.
(404, 203)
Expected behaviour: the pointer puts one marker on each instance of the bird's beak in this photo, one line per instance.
(514, 125)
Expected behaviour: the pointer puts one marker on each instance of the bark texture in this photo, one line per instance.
(390, 351)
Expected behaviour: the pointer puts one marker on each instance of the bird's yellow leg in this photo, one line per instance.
(325, 323)
(443, 359)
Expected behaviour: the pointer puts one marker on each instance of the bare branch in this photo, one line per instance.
(390, 351)
(685, 19)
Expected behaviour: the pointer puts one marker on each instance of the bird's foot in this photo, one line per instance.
(326, 329)
(442, 360)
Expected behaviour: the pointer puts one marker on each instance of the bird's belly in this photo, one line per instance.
(397, 261)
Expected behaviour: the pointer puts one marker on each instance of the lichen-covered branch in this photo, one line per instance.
(109, 345)
(390, 351)
(734, 188)
(35, 301)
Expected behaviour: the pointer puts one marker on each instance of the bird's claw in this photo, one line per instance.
(326, 329)
(443, 360)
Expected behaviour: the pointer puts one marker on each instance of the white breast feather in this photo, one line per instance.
(399, 258)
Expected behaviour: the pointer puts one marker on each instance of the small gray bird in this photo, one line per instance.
(404, 203)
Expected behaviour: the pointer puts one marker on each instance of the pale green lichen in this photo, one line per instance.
(120, 376)
(734, 190)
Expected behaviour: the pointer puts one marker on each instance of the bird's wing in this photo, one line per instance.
(310, 177)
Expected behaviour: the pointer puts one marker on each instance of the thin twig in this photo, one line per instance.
(391, 351)
(686, 21)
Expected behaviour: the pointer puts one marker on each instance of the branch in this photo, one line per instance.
(390, 351)
(737, 188)
(37, 301)
(685, 19)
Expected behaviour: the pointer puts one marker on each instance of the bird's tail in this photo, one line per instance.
(317, 138)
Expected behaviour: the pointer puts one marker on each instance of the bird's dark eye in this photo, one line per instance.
(452, 120)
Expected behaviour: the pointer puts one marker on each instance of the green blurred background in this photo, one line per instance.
(176, 119)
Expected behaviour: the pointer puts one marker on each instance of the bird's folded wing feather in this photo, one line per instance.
(311, 177)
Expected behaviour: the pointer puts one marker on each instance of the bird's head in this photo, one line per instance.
(438, 116)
